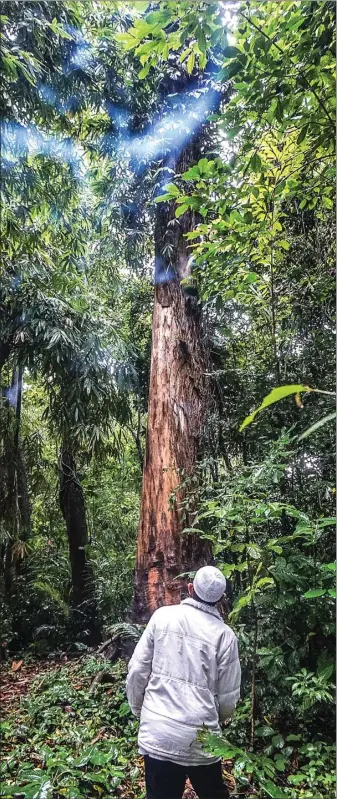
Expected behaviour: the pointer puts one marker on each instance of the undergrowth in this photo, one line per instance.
(63, 741)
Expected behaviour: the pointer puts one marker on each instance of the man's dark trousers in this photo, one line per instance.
(166, 780)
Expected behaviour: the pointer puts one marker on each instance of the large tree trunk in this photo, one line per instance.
(177, 402)
(83, 593)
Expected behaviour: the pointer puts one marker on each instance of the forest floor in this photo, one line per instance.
(61, 740)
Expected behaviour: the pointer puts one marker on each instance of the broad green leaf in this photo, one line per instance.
(278, 741)
(191, 173)
(144, 72)
(128, 42)
(326, 670)
(256, 163)
(231, 52)
(302, 134)
(314, 592)
(172, 189)
(279, 112)
(264, 732)
(275, 396)
(273, 791)
(203, 166)
(181, 210)
(327, 202)
(163, 198)
(297, 779)
(280, 763)
(242, 602)
(202, 60)
(265, 581)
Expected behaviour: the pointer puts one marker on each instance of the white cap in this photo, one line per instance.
(209, 583)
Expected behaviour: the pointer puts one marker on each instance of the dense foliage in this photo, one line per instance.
(92, 96)
(66, 741)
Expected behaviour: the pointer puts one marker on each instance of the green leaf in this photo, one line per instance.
(181, 210)
(279, 112)
(203, 166)
(232, 132)
(303, 134)
(264, 732)
(144, 72)
(326, 670)
(162, 198)
(280, 763)
(242, 602)
(202, 60)
(255, 163)
(317, 425)
(165, 53)
(172, 189)
(329, 566)
(265, 581)
(274, 396)
(201, 39)
(278, 741)
(314, 592)
(126, 40)
(284, 244)
(231, 52)
(190, 63)
(296, 779)
(273, 790)
(191, 173)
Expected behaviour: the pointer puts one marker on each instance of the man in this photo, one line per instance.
(184, 673)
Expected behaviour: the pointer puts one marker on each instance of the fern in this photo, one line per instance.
(53, 594)
(126, 630)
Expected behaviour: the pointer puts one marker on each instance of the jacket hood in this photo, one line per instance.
(202, 606)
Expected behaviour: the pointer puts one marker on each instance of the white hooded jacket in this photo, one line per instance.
(184, 673)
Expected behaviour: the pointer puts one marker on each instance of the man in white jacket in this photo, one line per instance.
(184, 673)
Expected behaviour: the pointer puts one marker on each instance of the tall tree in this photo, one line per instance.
(178, 384)
(177, 402)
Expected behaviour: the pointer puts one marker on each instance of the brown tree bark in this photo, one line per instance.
(83, 592)
(177, 403)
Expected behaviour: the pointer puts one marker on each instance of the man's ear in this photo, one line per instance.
(190, 589)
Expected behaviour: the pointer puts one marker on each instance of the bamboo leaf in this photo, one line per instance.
(317, 425)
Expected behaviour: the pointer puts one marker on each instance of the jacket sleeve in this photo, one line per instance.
(139, 669)
(229, 680)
